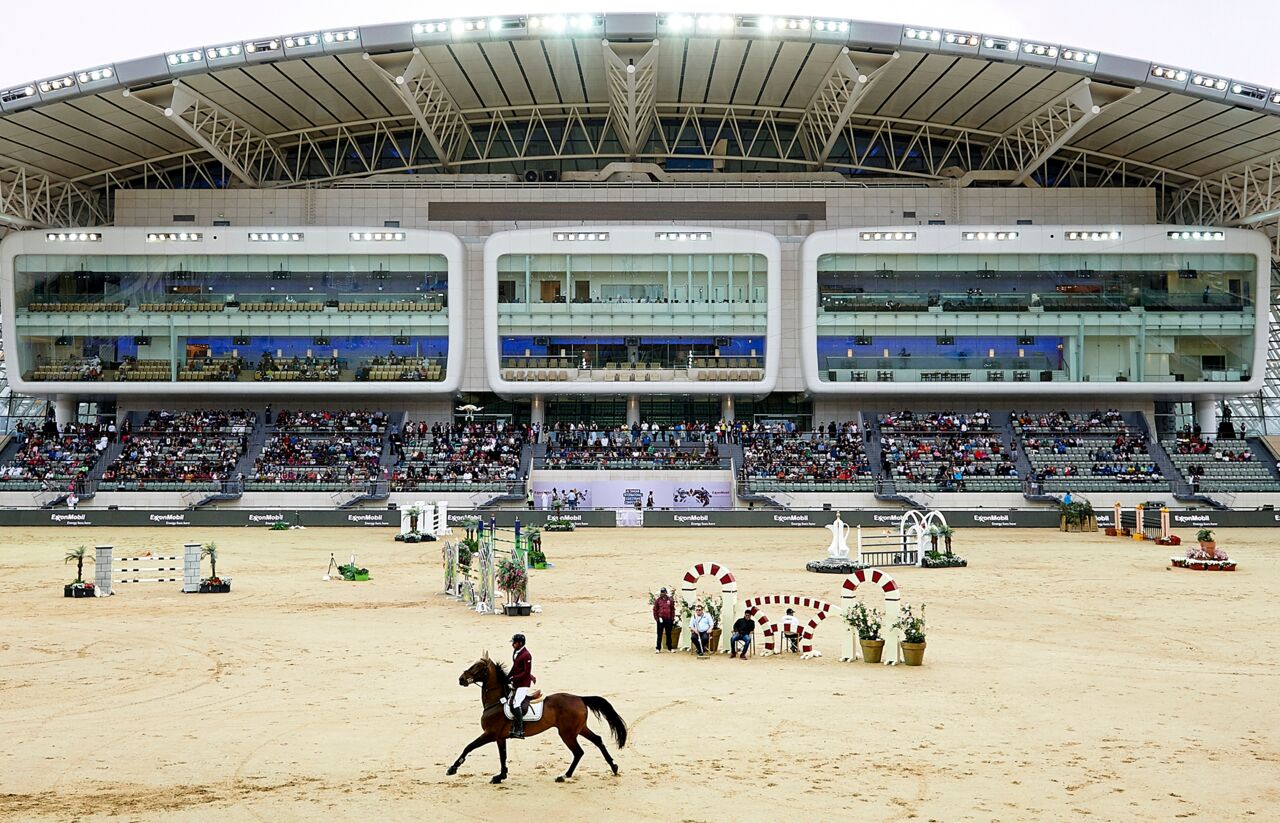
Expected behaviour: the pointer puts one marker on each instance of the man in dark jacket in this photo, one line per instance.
(521, 682)
(664, 614)
(742, 628)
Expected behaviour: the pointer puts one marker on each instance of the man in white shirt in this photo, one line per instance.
(700, 630)
(791, 630)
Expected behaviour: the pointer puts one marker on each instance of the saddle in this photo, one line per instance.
(535, 707)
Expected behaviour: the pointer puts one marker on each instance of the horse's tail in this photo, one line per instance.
(604, 709)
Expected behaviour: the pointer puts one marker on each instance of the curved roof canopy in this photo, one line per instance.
(707, 93)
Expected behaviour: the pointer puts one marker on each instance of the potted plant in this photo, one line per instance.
(467, 548)
(213, 583)
(714, 606)
(414, 512)
(867, 623)
(913, 628)
(559, 524)
(1205, 538)
(945, 532)
(537, 559)
(350, 571)
(1077, 516)
(279, 526)
(934, 534)
(78, 588)
(938, 560)
(513, 579)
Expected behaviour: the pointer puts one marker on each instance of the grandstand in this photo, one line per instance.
(802, 261)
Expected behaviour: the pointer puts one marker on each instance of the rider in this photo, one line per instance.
(522, 680)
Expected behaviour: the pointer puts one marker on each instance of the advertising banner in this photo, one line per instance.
(625, 494)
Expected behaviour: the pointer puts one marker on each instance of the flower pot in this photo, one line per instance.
(539, 565)
(362, 575)
(872, 650)
(675, 636)
(913, 654)
(713, 645)
(1209, 546)
(516, 609)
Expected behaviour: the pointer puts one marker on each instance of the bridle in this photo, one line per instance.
(486, 709)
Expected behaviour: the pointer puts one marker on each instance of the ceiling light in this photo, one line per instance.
(298, 41)
(575, 236)
(989, 235)
(887, 235)
(222, 52)
(1093, 235)
(924, 34)
(344, 36)
(958, 39)
(276, 237)
(183, 57)
(377, 236)
(94, 75)
(1166, 73)
(73, 237)
(1078, 56)
(1197, 234)
(175, 236)
(682, 235)
(1205, 81)
(1040, 50)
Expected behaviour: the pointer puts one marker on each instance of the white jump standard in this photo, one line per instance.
(190, 568)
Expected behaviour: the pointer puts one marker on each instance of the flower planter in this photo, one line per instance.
(872, 650)
(517, 609)
(713, 645)
(675, 636)
(539, 565)
(215, 588)
(72, 590)
(913, 654)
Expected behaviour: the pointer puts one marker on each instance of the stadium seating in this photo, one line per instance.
(946, 451)
(1095, 451)
(466, 456)
(179, 451)
(780, 458)
(320, 451)
(1220, 465)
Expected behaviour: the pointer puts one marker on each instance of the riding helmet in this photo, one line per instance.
(517, 638)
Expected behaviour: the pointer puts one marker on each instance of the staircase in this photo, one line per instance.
(885, 490)
(1177, 482)
(1030, 490)
(9, 450)
(1264, 456)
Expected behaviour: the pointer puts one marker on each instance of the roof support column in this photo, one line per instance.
(417, 84)
(633, 95)
(836, 99)
(246, 152)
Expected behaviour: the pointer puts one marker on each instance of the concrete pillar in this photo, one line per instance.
(64, 409)
(633, 409)
(538, 411)
(1207, 415)
(726, 407)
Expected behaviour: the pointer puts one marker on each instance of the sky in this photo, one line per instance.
(1231, 38)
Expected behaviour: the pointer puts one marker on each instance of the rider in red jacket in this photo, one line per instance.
(522, 680)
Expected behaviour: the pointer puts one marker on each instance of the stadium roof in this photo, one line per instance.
(733, 94)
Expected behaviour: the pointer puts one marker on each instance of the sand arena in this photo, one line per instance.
(1065, 675)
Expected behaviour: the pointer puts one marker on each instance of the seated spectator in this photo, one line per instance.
(742, 629)
(791, 631)
(700, 631)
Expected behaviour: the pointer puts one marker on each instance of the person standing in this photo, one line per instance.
(522, 681)
(664, 614)
(529, 498)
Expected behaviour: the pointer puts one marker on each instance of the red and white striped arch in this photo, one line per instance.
(892, 608)
(875, 577)
(769, 628)
(728, 583)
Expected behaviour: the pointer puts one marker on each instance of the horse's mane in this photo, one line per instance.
(503, 677)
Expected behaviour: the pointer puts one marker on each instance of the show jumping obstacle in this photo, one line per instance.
(475, 584)
(769, 628)
(433, 518)
(728, 593)
(892, 609)
(190, 569)
(1142, 523)
(906, 547)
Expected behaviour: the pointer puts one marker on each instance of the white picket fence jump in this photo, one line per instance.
(105, 570)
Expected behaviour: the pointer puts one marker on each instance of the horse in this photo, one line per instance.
(566, 713)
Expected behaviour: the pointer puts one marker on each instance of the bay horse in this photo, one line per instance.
(566, 713)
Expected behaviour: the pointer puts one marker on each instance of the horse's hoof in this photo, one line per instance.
(560, 778)
(452, 771)
(497, 778)
(614, 766)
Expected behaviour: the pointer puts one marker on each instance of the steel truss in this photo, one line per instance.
(633, 93)
(31, 199)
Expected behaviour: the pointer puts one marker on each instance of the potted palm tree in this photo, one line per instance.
(946, 531)
(913, 628)
(934, 534)
(213, 584)
(78, 588)
(867, 623)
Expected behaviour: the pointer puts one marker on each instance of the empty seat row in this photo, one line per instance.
(282, 307)
(731, 374)
(178, 308)
(397, 305)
